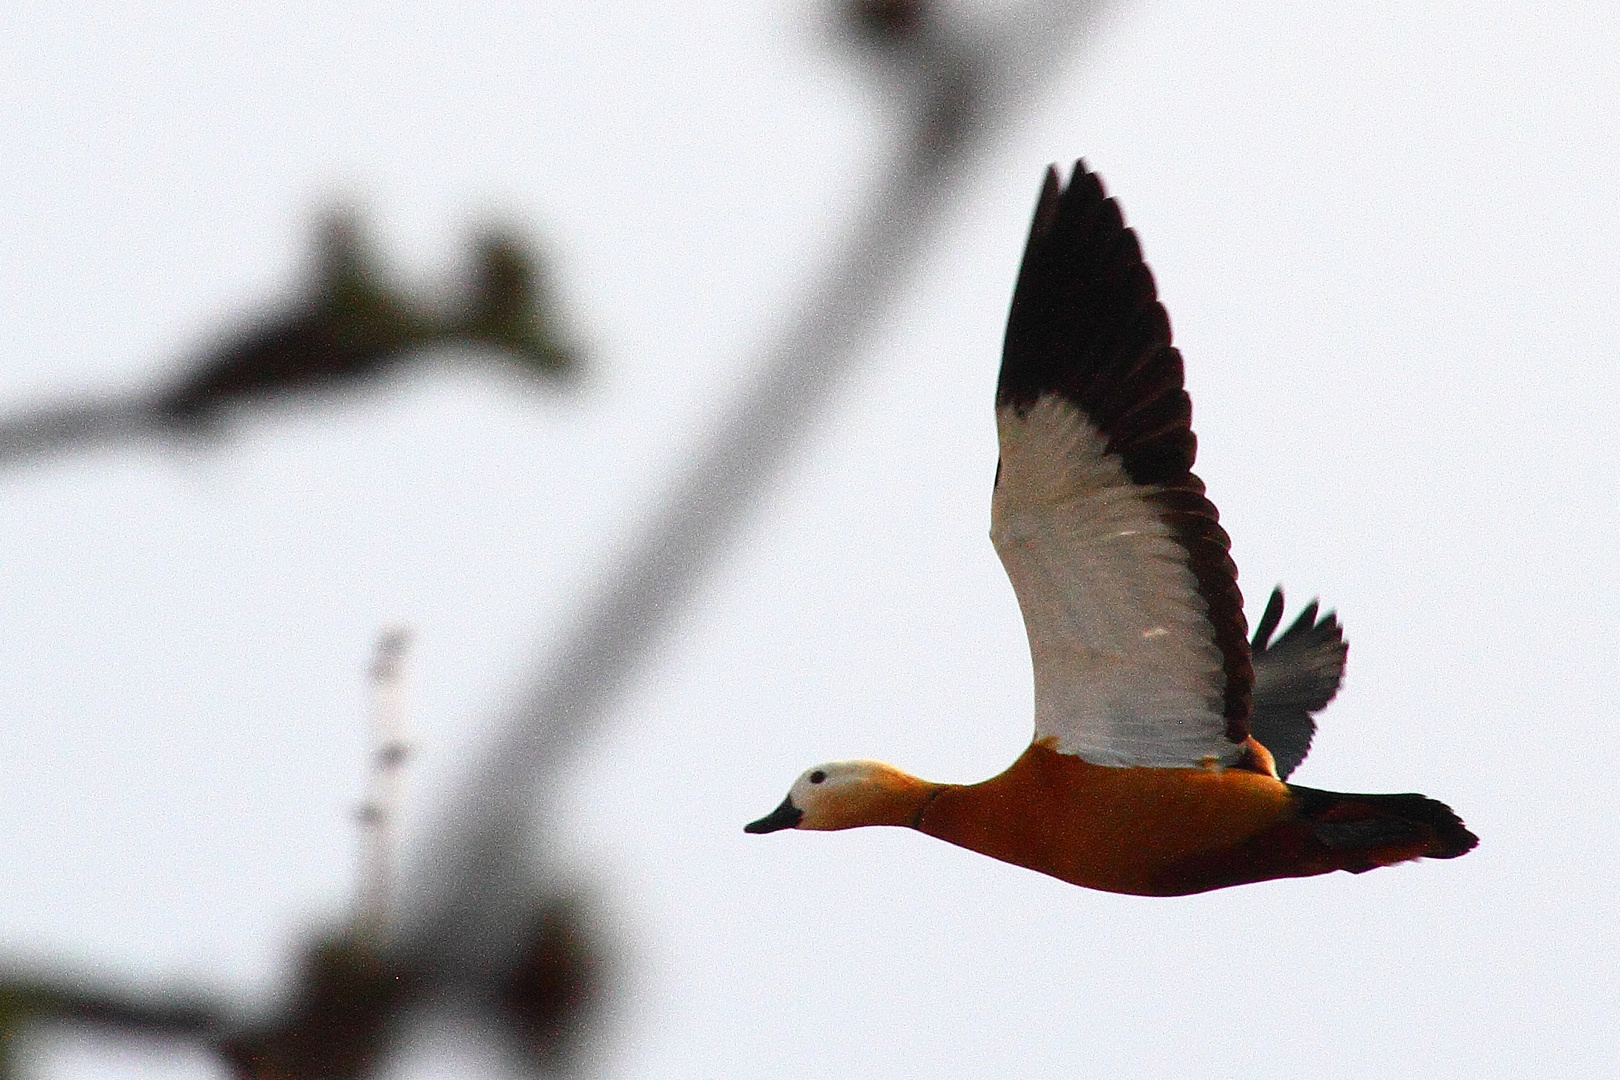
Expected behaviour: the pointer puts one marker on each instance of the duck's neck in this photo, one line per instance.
(891, 797)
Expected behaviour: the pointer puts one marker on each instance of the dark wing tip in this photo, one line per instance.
(1268, 621)
(1045, 206)
(1294, 677)
(1307, 618)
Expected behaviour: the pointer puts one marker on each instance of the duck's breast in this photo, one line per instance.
(1125, 830)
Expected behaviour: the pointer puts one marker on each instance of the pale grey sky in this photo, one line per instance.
(1389, 244)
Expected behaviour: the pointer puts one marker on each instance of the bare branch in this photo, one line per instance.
(27, 1000)
(351, 329)
(374, 900)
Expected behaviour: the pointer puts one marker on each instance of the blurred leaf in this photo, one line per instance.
(552, 994)
(509, 308)
(337, 1024)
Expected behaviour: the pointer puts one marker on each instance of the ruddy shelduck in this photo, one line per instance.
(1163, 735)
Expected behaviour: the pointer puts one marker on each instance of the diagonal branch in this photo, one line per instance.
(961, 88)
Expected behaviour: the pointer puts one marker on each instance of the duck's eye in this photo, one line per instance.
(817, 777)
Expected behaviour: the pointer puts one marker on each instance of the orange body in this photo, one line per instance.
(1158, 832)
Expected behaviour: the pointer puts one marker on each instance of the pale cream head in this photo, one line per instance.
(846, 794)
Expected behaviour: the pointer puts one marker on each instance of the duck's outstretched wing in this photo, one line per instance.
(1294, 676)
(1121, 567)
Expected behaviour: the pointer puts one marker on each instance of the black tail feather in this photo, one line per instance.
(1370, 822)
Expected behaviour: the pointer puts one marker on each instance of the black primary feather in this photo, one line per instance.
(1269, 621)
(1294, 676)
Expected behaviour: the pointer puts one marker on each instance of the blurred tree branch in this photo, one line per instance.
(28, 999)
(958, 84)
(350, 330)
(482, 930)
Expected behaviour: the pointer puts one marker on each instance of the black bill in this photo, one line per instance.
(783, 817)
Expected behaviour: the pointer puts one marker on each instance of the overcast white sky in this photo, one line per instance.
(1388, 238)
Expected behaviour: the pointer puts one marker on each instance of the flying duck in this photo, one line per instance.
(1164, 736)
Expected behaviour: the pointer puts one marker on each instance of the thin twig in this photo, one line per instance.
(374, 900)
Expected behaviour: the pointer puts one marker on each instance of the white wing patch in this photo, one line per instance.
(1126, 667)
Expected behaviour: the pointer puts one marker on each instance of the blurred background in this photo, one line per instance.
(638, 359)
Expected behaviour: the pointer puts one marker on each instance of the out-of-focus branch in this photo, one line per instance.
(374, 899)
(956, 84)
(351, 329)
(524, 952)
(30, 1000)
